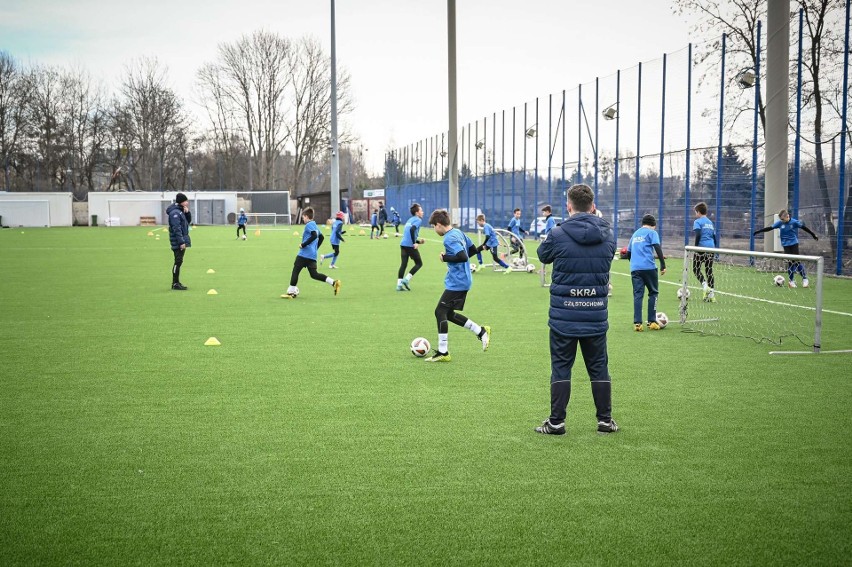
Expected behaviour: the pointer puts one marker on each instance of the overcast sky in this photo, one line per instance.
(509, 51)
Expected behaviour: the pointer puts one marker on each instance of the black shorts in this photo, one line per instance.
(792, 249)
(302, 262)
(453, 300)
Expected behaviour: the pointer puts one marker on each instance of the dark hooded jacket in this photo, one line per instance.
(178, 226)
(581, 251)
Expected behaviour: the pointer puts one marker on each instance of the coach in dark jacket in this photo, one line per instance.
(179, 219)
(581, 251)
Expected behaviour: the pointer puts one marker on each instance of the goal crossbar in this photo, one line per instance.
(751, 255)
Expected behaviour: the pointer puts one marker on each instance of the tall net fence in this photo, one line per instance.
(655, 138)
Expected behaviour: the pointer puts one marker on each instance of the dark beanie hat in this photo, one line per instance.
(649, 220)
(180, 198)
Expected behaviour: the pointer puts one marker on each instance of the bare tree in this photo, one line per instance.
(47, 144)
(310, 129)
(266, 94)
(150, 128)
(15, 92)
(85, 128)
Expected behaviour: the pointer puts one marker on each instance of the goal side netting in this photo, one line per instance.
(749, 294)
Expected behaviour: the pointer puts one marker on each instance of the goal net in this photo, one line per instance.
(22, 213)
(751, 295)
(266, 208)
(511, 250)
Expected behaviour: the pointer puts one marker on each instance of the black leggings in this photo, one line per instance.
(704, 259)
(446, 310)
(241, 226)
(178, 263)
(301, 263)
(407, 252)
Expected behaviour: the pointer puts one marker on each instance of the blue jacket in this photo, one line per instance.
(581, 251)
(178, 226)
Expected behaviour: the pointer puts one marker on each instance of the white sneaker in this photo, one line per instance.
(792, 284)
(806, 283)
(333, 267)
(610, 290)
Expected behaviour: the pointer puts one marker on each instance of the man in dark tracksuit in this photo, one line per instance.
(179, 219)
(581, 251)
(383, 218)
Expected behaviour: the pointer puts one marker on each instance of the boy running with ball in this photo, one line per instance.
(307, 257)
(457, 283)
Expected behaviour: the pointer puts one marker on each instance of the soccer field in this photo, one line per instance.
(313, 436)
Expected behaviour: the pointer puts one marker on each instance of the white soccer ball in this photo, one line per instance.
(420, 347)
(244, 237)
(779, 280)
(662, 319)
(293, 291)
(396, 235)
(384, 235)
(680, 293)
(517, 262)
(474, 267)
(530, 268)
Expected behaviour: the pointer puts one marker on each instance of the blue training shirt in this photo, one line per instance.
(458, 276)
(789, 231)
(515, 227)
(707, 230)
(549, 224)
(490, 236)
(414, 221)
(642, 249)
(336, 227)
(242, 220)
(310, 251)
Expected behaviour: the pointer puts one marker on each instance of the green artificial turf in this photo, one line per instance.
(313, 436)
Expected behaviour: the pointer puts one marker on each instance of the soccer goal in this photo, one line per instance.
(266, 209)
(21, 212)
(268, 219)
(511, 250)
(752, 296)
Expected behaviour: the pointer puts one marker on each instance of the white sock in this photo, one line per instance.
(474, 328)
(329, 281)
(408, 277)
(705, 286)
(399, 281)
(442, 342)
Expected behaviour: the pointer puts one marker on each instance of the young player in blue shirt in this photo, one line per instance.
(491, 243)
(395, 220)
(374, 224)
(457, 283)
(337, 233)
(549, 223)
(643, 270)
(516, 229)
(789, 229)
(242, 221)
(706, 237)
(408, 248)
(307, 256)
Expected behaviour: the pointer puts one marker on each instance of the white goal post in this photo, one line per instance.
(268, 219)
(751, 295)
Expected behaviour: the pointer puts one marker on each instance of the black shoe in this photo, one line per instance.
(179, 287)
(607, 426)
(548, 428)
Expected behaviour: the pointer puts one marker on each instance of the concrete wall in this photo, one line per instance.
(130, 206)
(36, 209)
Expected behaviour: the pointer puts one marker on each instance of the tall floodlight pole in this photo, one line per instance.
(453, 135)
(777, 108)
(335, 154)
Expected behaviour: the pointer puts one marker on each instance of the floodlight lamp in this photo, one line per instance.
(530, 133)
(480, 144)
(443, 153)
(746, 78)
(610, 113)
(189, 170)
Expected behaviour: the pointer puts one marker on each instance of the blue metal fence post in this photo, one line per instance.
(615, 204)
(597, 116)
(797, 160)
(503, 164)
(753, 209)
(535, 181)
(549, 153)
(579, 131)
(841, 207)
(564, 205)
(717, 222)
(686, 201)
(638, 153)
(493, 163)
(514, 141)
(524, 181)
(660, 221)
(475, 166)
